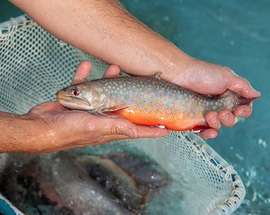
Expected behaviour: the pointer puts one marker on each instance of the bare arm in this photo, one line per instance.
(8, 139)
(16, 132)
(106, 30)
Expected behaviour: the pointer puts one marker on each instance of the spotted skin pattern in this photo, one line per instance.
(152, 101)
(155, 102)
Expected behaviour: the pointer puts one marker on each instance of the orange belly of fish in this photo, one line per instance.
(171, 121)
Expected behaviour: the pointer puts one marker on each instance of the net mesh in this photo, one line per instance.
(35, 64)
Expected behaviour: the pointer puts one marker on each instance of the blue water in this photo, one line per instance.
(231, 33)
(235, 34)
(8, 10)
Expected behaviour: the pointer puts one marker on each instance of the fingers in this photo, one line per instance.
(243, 111)
(213, 120)
(142, 132)
(225, 117)
(240, 85)
(228, 118)
(214, 123)
(124, 127)
(209, 133)
(111, 72)
(151, 132)
(82, 72)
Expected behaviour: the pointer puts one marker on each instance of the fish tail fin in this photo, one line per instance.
(245, 101)
(236, 100)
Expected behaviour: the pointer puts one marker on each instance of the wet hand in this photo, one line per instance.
(209, 78)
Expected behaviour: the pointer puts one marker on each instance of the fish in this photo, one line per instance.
(146, 173)
(65, 183)
(82, 194)
(18, 182)
(112, 177)
(135, 178)
(149, 176)
(148, 101)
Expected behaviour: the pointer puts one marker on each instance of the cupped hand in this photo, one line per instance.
(59, 128)
(209, 78)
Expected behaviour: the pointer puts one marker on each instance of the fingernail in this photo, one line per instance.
(214, 119)
(242, 114)
(226, 116)
(130, 133)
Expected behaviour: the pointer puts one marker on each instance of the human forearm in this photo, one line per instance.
(29, 133)
(106, 30)
(15, 132)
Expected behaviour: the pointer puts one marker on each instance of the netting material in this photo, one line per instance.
(34, 65)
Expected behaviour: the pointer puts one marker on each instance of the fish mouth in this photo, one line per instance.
(72, 103)
(76, 104)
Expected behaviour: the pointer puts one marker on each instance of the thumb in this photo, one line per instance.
(118, 126)
(124, 127)
(241, 86)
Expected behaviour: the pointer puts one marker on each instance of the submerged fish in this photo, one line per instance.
(133, 178)
(147, 101)
(112, 177)
(62, 183)
(18, 182)
(146, 173)
(76, 189)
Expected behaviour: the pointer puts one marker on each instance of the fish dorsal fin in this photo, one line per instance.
(158, 75)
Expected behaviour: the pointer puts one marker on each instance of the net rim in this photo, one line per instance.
(15, 23)
(231, 176)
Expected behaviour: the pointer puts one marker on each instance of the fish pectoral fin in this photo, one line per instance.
(111, 112)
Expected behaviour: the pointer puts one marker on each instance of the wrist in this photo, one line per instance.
(12, 132)
(175, 64)
(20, 133)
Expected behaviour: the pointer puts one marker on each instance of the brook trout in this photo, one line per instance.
(149, 176)
(146, 172)
(147, 101)
(112, 176)
(82, 194)
(133, 178)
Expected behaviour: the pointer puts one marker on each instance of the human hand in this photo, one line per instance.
(209, 78)
(59, 128)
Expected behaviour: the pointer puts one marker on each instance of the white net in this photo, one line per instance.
(35, 65)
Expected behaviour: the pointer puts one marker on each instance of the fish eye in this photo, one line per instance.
(75, 92)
